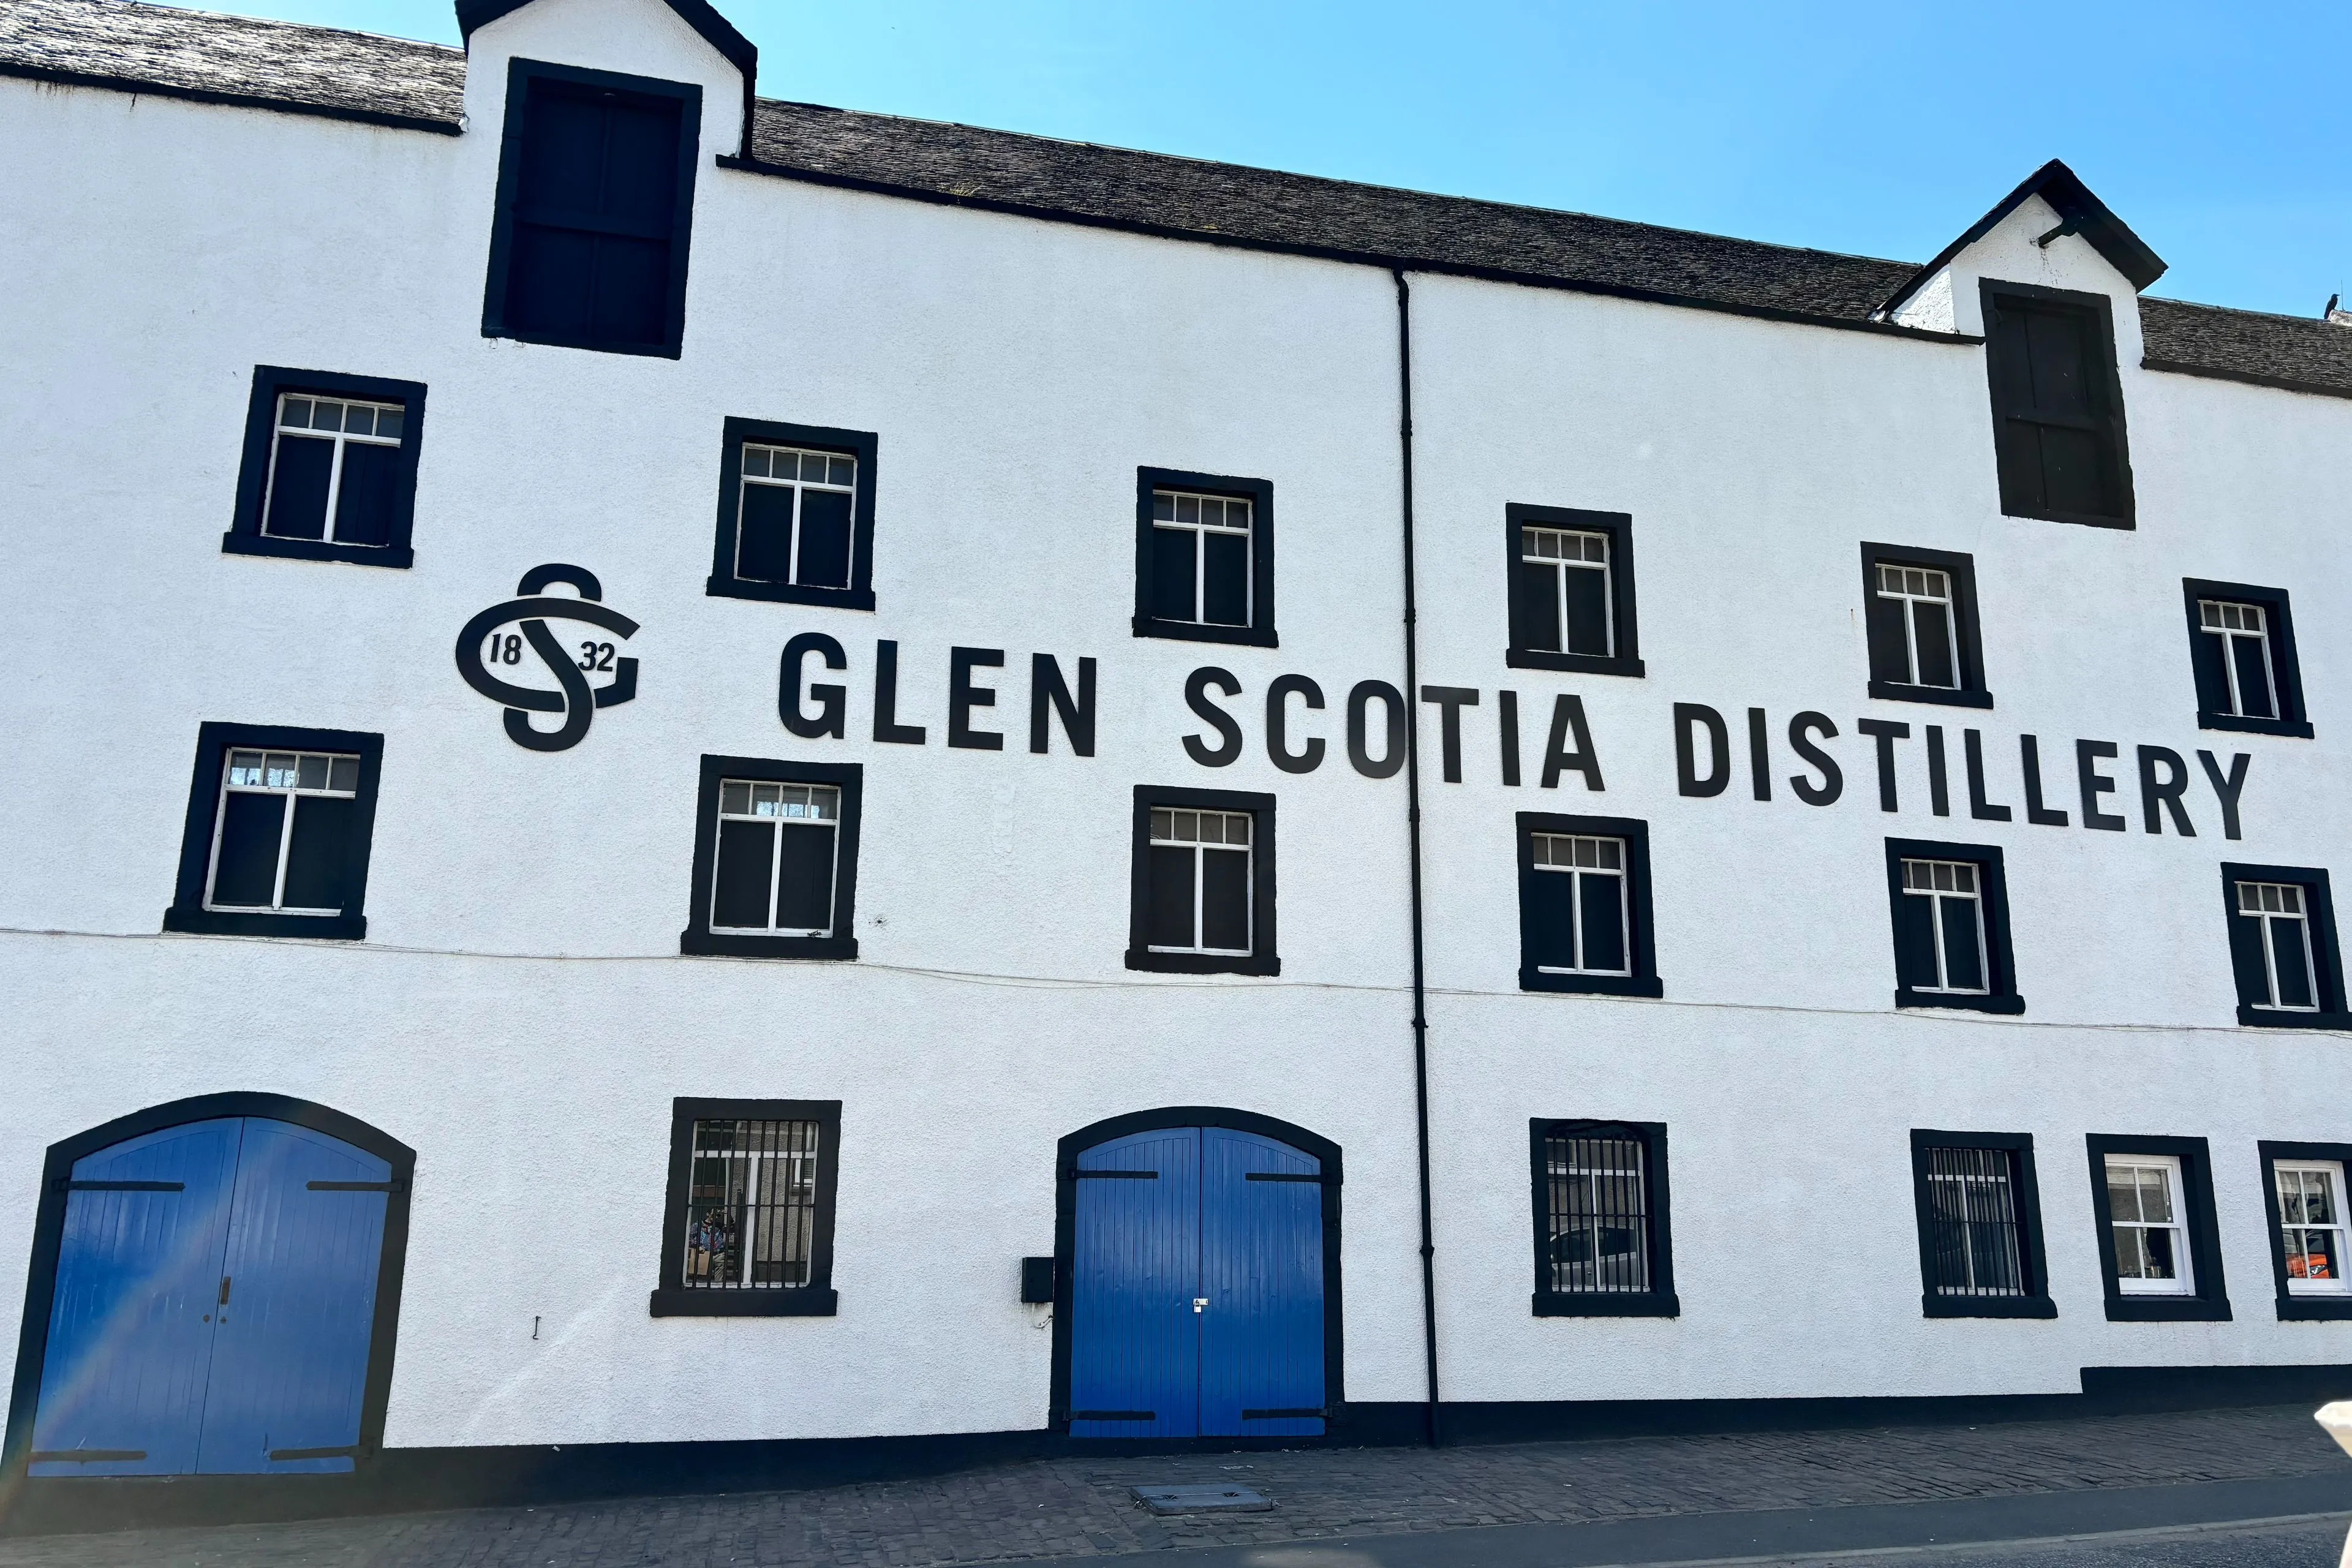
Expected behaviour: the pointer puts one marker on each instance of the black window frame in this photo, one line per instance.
(818, 1297)
(1259, 493)
(1968, 635)
(2292, 1307)
(520, 74)
(1264, 957)
(215, 740)
(1640, 937)
(2326, 957)
(2286, 669)
(1624, 622)
(2032, 1261)
(859, 445)
(1992, 892)
(2211, 1302)
(698, 939)
(2099, 313)
(271, 382)
(1658, 1301)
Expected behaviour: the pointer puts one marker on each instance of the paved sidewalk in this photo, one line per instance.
(1079, 1505)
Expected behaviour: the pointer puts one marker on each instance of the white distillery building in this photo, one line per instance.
(709, 790)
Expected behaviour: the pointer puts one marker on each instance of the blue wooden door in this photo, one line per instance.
(214, 1303)
(1134, 1340)
(122, 1380)
(1261, 1276)
(290, 1339)
(1196, 1290)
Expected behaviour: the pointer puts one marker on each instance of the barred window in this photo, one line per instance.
(1201, 565)
(796, 522)
(2311, 1225)
(1581, 904)
(336, 472)
(282, 838)
(1565, 592)
(2284, 928)
(1200, 880)
(1975, 1241)
(748, 1230)
(2248, 684)
(2151, 1235)
(751, 1216)
(1598, 1213)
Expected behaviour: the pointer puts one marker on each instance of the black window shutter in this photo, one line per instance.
(297, 488)
(1935, 642)
(246, 871)
(739, 883)
(804, 880)
(1535, 608)
(2253, 680)
(373, 478)
(1603, 908)
(1890, 653)
(2246, 955)
(1963, 960)
(318, 853)
(2015, 442)
(595, 202)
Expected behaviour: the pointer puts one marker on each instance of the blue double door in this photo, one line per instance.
(1196, 1288)
(214, 1304)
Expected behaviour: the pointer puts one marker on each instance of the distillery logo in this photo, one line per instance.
(494, 643)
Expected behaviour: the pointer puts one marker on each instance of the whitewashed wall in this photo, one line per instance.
(519, 1013)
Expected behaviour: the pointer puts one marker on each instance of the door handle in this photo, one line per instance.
(1200, 1303)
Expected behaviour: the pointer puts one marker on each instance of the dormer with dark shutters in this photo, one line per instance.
(593, 225)
(2050, 278)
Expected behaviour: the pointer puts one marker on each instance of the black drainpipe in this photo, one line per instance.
(1412, 835)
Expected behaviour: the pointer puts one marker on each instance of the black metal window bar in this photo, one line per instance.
(1599, 1214)
(751, 1206)
(1972, 1215)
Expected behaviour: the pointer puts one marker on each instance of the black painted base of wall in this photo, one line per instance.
(404, 1480)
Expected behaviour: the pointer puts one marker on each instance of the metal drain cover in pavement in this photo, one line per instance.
(1200, 1499)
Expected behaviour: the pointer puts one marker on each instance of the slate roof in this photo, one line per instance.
(132, 47)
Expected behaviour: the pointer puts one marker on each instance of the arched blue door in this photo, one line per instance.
(1196, 1286)
(214, 1304)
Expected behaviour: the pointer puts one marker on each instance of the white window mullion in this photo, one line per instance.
(334, 484)
(2229, 671)
(285, 845)
(1911, 639)
(793, 571)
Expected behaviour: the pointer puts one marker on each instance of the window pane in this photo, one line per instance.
(344, 774)
(735, 799)
(1168, 920)
(738, 885)
(840, 470)
(804, 880)
(318, 854)
(824, 539)
(1224, 899)
(388, 422)
(1163, 507)
(370, 495)
(297, 488)
(1603, 921)
(1224, 579)
(763, 541)
(246, 874)
(2292, 963)
(295, 413)
(1173, 567)
(1587, 610)
(2254, 697)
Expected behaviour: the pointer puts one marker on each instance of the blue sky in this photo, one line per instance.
(2221, 134)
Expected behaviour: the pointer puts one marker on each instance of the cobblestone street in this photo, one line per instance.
(1079, 1505)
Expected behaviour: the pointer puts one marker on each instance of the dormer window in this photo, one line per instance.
(2057, 405)
(595, 204)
